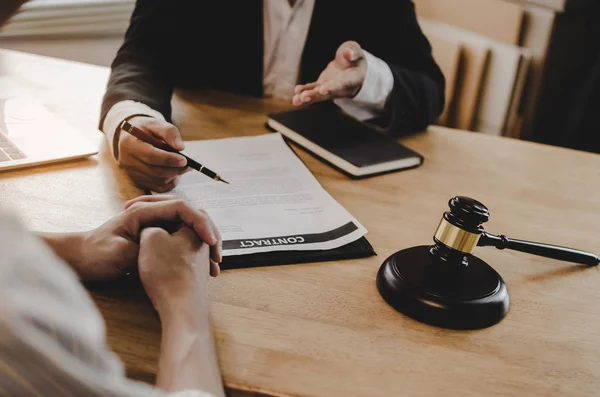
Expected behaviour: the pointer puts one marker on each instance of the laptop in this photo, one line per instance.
(31, 135)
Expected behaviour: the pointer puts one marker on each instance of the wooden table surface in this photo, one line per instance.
(322, 329)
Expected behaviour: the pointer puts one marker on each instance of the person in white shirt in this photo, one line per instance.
(368, 57)
(44, 352)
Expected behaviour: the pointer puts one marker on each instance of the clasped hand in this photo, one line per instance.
(171, 263)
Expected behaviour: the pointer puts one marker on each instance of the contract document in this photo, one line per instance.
(273, 202)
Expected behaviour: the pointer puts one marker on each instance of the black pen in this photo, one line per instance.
(143, 136)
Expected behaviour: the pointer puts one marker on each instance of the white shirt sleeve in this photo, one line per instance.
(377, 87)
(52, 338)
(119, 112)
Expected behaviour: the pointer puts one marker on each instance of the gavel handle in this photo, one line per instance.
(546, 250)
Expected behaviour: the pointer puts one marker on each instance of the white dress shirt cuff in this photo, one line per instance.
(119, 112)
(376, 89)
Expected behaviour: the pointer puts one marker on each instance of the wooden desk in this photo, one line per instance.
(322, 329)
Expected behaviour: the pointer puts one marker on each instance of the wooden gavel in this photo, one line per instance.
(445, 285)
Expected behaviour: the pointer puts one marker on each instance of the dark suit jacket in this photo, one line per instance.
(198, 44)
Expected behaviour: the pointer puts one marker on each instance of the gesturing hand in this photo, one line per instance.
(342, 78)
(149, 167)
(110, 250)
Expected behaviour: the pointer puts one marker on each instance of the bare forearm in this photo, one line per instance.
(67, 246)
(188, 358)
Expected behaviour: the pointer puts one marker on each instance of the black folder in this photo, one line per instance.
(360, 248)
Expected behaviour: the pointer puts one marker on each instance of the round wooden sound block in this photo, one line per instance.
(469, 296)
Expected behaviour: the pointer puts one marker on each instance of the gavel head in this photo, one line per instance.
(459, 230)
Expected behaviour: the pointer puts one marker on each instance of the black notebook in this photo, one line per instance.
(354, 147)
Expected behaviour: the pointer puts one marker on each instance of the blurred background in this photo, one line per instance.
(525, 69)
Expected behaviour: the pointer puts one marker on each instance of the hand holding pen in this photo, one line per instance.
(154, 164)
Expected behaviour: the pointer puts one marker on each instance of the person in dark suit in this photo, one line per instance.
(369, 57)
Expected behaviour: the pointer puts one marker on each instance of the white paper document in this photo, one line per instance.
(273, 202)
